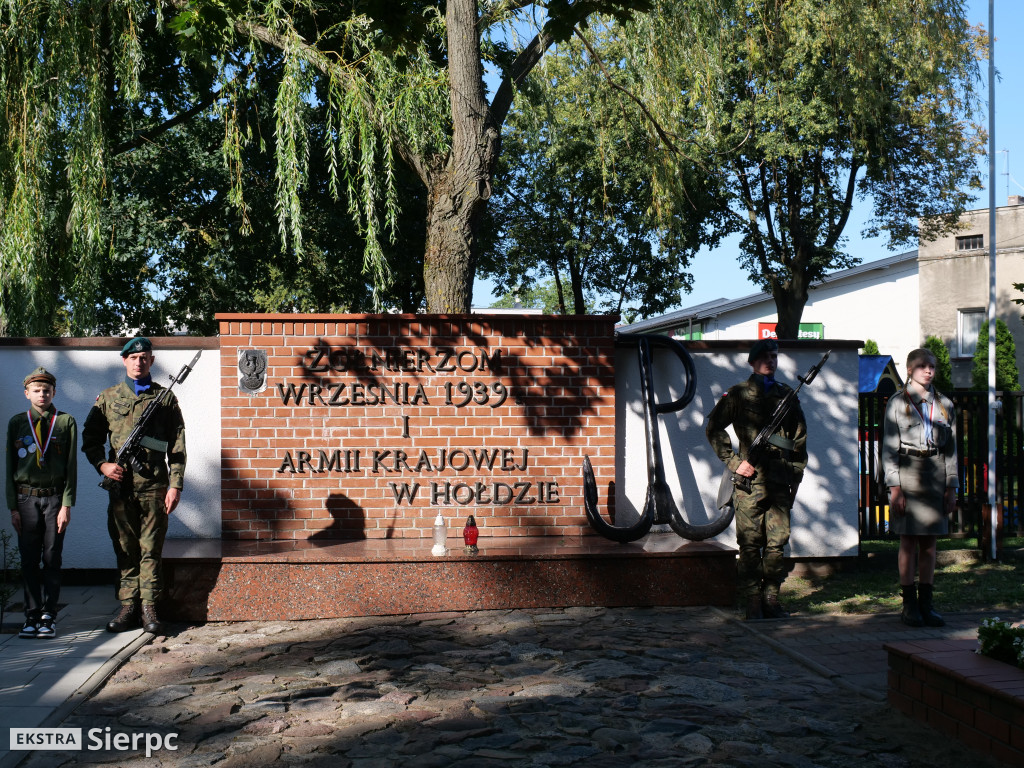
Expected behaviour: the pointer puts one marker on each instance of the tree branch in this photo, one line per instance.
(521, 67)
(144, 137)
(328, 67)
(662, 134)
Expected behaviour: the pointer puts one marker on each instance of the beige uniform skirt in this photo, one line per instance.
(923, 481)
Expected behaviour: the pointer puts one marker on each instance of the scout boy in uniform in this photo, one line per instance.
(42, 478)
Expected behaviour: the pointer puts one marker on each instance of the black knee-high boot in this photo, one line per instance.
(911, 615)
(924, 602)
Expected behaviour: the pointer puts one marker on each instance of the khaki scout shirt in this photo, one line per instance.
(905, 415)
(747, 407)
(59, 467)
(113, 417)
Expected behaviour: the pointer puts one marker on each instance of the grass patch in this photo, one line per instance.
(873, 586)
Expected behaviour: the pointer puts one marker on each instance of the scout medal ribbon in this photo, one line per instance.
(37, 431)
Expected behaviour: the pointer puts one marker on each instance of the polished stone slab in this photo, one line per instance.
(217, 580)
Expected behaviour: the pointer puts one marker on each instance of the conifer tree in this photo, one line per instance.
(1007, 375)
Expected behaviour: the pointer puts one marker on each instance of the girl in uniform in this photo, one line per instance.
(919, 459)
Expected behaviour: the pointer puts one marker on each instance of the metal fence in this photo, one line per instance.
(972, 452)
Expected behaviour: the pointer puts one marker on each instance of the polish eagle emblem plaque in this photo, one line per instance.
(252, 369)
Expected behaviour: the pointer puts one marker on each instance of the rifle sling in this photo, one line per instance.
(153, 444)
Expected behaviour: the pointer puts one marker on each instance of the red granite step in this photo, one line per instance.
(216, 580)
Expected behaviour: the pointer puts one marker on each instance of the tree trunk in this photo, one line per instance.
(576, 282)
(460, 184)
(790, 300)
(450, 259)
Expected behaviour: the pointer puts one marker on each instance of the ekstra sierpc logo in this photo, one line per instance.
(95, 739)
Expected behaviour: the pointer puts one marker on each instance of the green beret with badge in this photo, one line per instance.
(136, 345)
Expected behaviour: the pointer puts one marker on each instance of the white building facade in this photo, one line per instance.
(941, 289)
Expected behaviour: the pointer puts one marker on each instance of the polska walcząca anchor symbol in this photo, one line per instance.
(659, 506)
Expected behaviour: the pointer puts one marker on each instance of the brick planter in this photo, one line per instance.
(945, 684)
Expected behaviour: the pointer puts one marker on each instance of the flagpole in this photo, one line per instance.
(992, 404)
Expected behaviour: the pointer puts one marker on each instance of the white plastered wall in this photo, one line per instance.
(825, 516)
(82, 373)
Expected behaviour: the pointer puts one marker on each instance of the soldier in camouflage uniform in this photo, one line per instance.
(762, 516)
(42, 477)
(137, 512)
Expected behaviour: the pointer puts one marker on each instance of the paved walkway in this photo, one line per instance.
(42, 681)
(584, 686)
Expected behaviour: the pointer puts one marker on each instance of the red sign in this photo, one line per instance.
(805, 331)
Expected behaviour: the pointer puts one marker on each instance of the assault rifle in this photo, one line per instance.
(128, 453)
(766, 437)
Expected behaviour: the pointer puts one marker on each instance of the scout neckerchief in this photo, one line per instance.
(926, 419)
(39, 447)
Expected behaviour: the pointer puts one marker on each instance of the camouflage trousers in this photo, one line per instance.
(137, 527)
(762, 532)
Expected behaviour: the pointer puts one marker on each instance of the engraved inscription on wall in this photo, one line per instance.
(455, 379)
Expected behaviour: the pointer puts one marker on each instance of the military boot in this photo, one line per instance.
(911, 615)
(772, 608)
(754, 610)
(127, 618)
(924, 602)
(150, 621)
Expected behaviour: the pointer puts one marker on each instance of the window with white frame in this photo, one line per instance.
(970, 242)
(969, 322)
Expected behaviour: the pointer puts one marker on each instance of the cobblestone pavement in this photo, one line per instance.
(588, 687)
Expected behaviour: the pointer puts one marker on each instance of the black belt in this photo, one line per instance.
(918, 452)
(41, 493)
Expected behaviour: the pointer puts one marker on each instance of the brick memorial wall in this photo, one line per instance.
(368, 426)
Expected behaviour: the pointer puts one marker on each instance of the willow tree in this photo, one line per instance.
(398, 81)
(803, 107)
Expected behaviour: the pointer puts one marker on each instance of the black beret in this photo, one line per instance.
(762, 347)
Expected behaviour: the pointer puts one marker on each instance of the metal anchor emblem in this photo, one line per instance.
(659, 506)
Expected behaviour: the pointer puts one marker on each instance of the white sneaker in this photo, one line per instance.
(30, 629)
(47, 626)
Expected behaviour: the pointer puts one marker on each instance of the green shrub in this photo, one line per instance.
(943, 367)
(1001, 641)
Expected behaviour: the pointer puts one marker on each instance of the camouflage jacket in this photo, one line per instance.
(747, 407)
(113, 418)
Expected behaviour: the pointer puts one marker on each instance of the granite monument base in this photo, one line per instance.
(216, 580)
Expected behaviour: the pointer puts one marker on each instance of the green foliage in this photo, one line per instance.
(1001, 641)
(1007, 375)
(943, 380)
(546, 296)
(360, 89)
(574, 195)
(870, 347)
(803, 107)
(181, 250)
